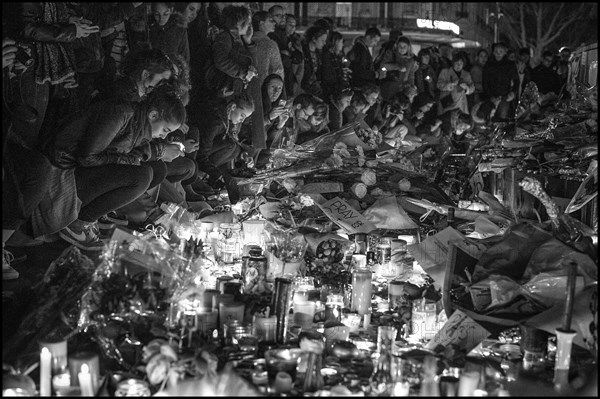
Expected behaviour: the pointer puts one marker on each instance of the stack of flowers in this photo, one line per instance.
(372, 138)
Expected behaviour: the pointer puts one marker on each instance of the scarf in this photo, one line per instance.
(55, 62)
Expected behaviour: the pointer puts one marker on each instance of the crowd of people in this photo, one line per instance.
(109, 106)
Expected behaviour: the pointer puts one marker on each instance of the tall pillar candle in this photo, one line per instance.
(361, 291)
(45, 372)
(281, 304)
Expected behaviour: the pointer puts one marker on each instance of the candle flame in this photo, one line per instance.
(85, 368)
(46, 351)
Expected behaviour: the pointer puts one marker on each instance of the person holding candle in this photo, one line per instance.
(220, 144)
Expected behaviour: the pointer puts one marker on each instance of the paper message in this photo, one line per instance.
(461, 330)
(340, 212)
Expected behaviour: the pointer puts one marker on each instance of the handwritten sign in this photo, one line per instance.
(348, 218)
(461, 330)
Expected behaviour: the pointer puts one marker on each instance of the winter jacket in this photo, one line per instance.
(546, 79)
(217, 127)
(361, 64)
(527, 74)
(458, 94)
(423, 83)
(311, 81)
(268, 61)
(391, 59)
(374, 116)
(332, 73)
(31, 14)
(172, 38)
(477, 76)
(499, 77)
(109, 132)
(89, 53)
(231, 58)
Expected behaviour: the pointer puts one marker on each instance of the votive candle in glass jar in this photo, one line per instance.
(361, 291)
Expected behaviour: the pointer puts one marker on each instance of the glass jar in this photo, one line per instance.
(384, 251)
(254, 271)
(230, 242)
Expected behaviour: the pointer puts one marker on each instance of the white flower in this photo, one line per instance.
(306, 200)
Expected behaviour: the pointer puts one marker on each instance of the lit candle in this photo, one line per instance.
(85, 381)
(45, 372)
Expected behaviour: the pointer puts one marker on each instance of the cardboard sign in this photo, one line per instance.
(340, 212)
(461, 330)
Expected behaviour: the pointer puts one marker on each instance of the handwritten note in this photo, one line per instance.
(340, 212)
(461, 330)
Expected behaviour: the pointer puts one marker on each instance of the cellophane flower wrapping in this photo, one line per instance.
(124, 299)
(55, 304)
(286, 244)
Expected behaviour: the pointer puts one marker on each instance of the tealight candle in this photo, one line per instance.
(85, 381)
(45, 372)
(91, 360)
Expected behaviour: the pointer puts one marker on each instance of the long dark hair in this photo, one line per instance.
(267, 104)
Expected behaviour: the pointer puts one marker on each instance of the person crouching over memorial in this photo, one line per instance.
(220, 144)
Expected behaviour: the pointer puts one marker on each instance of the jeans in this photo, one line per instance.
(25, 183)
(180, 169)
(159, 172)
(28, 104)
(103, 189)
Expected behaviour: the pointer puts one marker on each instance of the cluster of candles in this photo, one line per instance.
(65, 375)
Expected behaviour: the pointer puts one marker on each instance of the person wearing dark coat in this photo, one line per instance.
(500, 79)
(338, 102)
(544, 76)
(334, 74)
(47, 29)
(361, 58)
(114, 138)
(233, 54)
(219, 143)
(168, 33)
(316, 38)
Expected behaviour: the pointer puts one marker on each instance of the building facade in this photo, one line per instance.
(423, 22)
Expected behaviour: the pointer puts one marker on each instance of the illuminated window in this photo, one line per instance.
(343, 11)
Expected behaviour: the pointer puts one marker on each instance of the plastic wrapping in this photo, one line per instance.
(120, 295)
(554, 257)
(327, 247)
(511, 255)
(287, 244)
(55, 302)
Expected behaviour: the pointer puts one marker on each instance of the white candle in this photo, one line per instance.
(45, 372)
(85, 381)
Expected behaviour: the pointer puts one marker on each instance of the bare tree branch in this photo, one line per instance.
(522, 20)
(556, 15)
(565, 24)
